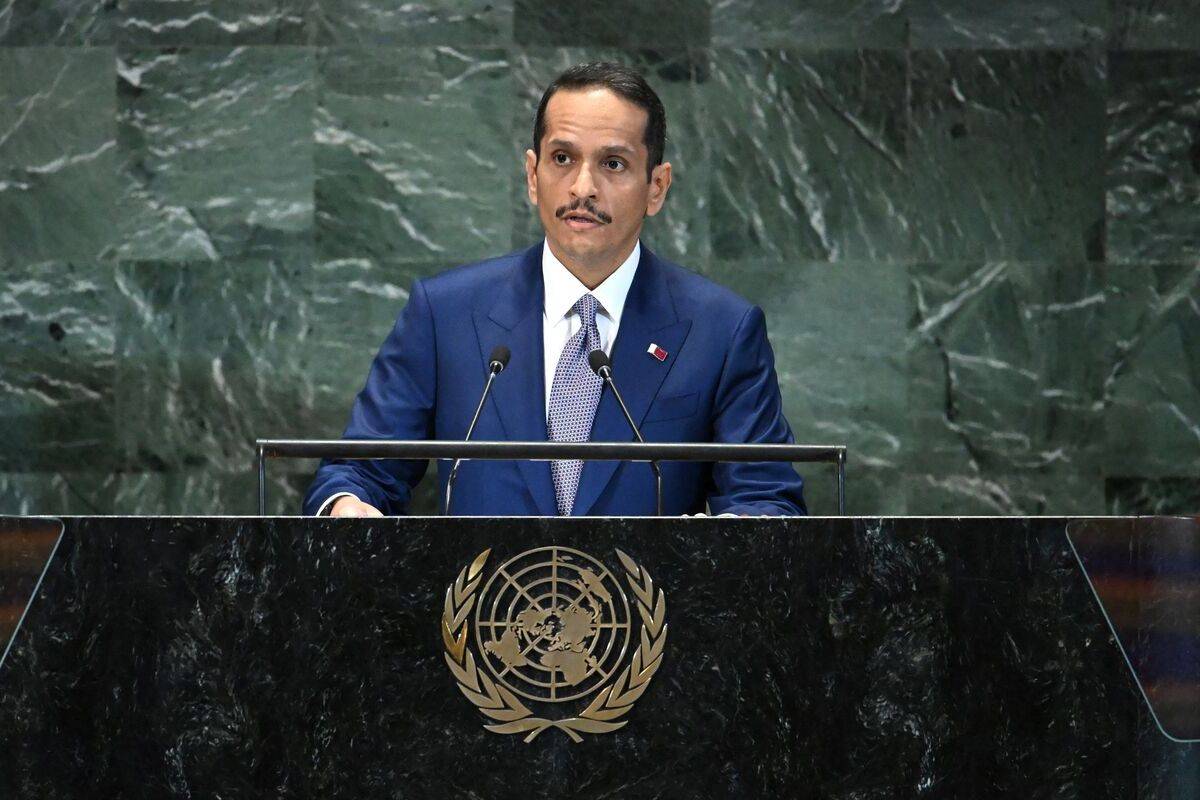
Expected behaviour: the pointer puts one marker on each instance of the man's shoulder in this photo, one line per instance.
(695, 294)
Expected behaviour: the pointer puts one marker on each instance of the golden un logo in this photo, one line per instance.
(553, 625)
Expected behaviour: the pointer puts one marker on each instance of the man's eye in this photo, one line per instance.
(615, 164)
(561, 158)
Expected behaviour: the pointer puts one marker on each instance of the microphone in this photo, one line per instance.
(496, 364)
(601, 364)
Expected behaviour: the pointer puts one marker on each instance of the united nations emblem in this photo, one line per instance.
(553, 625)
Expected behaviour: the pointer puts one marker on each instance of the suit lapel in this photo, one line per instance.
(515, 320)
(649, 317)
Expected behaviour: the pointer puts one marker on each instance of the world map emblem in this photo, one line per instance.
(550, 626)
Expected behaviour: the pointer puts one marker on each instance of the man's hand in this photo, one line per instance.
(353, 507)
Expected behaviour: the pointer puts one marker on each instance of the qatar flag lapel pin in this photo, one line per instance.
(657, 352)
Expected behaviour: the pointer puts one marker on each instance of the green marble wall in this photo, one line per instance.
(974, 227)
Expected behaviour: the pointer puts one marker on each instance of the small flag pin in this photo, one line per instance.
(657, 352)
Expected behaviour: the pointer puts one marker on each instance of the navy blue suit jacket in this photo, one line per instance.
(717, 384)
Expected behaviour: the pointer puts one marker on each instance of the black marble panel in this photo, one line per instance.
(805, 658)
(1153, 173)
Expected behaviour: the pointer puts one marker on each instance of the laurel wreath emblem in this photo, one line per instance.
(499, 703)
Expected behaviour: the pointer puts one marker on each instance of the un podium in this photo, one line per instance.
(592, 658)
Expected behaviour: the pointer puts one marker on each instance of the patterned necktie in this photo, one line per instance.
(574, 396)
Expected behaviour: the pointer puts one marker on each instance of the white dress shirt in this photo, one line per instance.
(559, 320)
(563, 290)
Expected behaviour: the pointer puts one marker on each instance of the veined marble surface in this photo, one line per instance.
(974, 227)
(806, 658)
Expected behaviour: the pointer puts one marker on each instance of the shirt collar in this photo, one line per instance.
(563, 289)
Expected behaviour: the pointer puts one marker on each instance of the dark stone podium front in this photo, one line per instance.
(804, 658)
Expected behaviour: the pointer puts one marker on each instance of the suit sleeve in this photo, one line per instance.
(748, 409)
(397, 402)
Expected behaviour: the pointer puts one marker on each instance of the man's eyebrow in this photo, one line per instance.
(611, 148)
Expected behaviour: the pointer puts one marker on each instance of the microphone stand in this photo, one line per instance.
(605, 372)
(498, 362)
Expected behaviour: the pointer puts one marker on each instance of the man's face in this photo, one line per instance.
(589, 184)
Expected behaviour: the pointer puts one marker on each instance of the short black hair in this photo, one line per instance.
(623, 81)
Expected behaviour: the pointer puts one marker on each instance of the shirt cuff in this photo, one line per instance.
(323, 511)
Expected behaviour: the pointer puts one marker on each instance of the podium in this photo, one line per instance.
(780, 658)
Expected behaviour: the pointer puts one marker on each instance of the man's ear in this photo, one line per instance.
(660, 182)
(531, 176)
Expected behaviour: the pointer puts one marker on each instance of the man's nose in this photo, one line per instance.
(583, 185)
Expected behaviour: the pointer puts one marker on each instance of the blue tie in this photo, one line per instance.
(574, 396)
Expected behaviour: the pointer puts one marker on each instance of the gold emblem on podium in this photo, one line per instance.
(553, 625)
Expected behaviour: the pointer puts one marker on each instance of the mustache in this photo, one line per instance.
(587, 205)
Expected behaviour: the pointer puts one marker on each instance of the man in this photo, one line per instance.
(691, 358)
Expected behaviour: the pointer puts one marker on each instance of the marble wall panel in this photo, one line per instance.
(617, 23)
(187, 491)
(353, 304)
(60, 492)
(1012, 24)
(866, 488)
(57, 153)
(58, 22)
(1152, 496)
(216, 153)
(1037, 492)
(1152, 389)
(413, 154)
(846, 24)
(205, 492)
(1007, 364)
(351, 307)
(1154, 24)
(838, 334)
(680, 231)
(200, 22)
(57, 369)
(270, 205)
(1153, 175)
(809, 155)
(210, 358)
(838, 331)
(1006, 154)
(455, 22)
